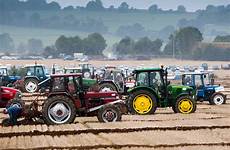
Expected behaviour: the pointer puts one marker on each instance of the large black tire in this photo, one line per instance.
(109, 113)
(217, 99)
(150, 100)
(64, 104)
(174, 109)
(6, 122)
(185, 105)
(30, 85)
(109, 86)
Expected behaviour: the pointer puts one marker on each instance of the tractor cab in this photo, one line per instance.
(203, 83)
(152, 89)
(72, 82)
(4, 75)
(87, 70)
(38, 71)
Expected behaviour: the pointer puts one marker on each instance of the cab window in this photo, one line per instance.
(30, 71)
(39, 71)
(187, 80)
(142, 79)
(198, 81)
(155, 79)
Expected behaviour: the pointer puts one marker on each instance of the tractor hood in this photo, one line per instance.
(176, 90)
(217, 88)
(182, 87)
(9, 93)
(108, 94)
(88, 82)
(14, 78)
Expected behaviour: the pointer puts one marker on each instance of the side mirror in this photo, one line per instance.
(168, 82)
(212, 81)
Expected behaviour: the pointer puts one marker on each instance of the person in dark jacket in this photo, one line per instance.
(14, 112)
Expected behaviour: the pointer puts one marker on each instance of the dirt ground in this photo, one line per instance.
(206, 129)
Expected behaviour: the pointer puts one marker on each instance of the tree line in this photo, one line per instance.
(93, 5)
(68, 22)
(216, 15)
(93, 44)
(185, 43)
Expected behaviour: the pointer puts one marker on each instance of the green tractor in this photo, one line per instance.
(152, 90)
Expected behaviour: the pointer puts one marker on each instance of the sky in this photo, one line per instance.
(191, 5)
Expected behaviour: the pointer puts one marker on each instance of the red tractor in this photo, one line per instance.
(68, 97)
(7, 94)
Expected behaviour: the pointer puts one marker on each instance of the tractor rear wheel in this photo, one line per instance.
(185, 105)
(107, 87)
(59, 110)
(142, 102)
(109, 113)
(217, 99)
(31, 85)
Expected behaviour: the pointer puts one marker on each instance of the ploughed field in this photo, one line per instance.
(207, 129)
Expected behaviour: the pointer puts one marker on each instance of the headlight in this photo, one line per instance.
(86, 75)
(184, 89)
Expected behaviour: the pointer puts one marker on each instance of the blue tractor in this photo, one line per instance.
(6, 79)
(203, 84)
(35, 77)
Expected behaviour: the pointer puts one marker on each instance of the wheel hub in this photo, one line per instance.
(31, 87)
(185, 106)
(142, 104)
(59, 113)
(109, 115)
(218, 100)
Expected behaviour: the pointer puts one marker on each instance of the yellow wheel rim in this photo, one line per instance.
(185, 106)
(142, 104)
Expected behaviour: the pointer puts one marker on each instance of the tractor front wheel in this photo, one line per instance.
(30, 85)
(59, 110)
(142, 103)
(185, 105)
(217, 99)
(109, 113)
